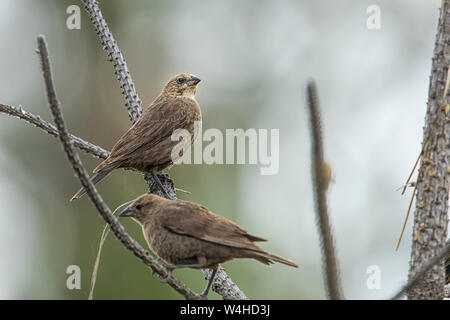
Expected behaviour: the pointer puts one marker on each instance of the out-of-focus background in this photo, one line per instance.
(254, 58)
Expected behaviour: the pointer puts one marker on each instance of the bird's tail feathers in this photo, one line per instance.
(269, 258)
(96, 177)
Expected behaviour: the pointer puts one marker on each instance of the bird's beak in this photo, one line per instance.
(193, 81)
(127, 212)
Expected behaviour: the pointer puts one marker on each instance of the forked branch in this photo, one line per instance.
(222, 284)
(105, 212)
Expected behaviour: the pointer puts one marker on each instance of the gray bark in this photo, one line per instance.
(431, 211)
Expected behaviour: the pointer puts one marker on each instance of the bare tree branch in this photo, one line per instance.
(105, 212)
(321, 179)
(223, 286)
(433, 182)
(51, 129)
(133, 103)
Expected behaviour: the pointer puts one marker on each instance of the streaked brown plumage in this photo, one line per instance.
(147, 145)
(186, 234)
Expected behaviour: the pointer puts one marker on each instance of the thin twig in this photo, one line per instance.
(182, 190)
(407, 216)
(228, 290)
(103, 237)
(320, 182)
(36, 120)
(412, 172)
(414, 280)
(105, 212)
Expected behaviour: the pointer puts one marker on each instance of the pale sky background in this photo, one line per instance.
(254, 58)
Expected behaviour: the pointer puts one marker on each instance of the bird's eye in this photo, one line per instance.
(180, 80)
(139, 206)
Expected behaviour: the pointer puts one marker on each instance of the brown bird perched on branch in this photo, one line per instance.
(147, 145)
(188, 235)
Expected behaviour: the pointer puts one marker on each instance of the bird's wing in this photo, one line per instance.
(156, 124)
(190, 219)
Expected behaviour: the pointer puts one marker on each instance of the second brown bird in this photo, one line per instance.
(188, 235)
(147, 145)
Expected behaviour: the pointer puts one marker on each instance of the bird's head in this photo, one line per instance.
(182, 85)
(143, 207)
